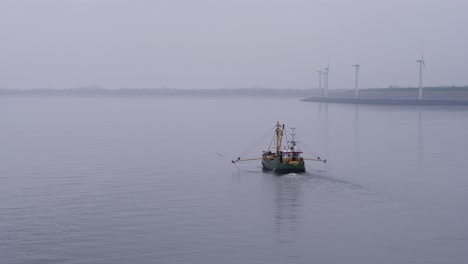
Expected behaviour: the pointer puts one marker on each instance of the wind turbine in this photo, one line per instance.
(421, 63)
(356, 90)
(320, 83)
(326, 71)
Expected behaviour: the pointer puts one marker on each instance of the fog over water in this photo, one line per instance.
(145, 176)
(209, 44)
(149, 180)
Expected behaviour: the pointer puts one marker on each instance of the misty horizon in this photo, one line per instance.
(209, 44)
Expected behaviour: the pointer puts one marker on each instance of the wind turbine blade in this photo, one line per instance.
(424, 63)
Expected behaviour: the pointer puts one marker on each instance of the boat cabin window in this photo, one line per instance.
(290, 154)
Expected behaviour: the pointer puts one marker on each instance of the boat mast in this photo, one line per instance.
(279, 136)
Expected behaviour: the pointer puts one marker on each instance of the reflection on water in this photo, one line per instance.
(288, 205)
(356, 127)
(292, 198)
(116, 181)
(323, 128)
(420, 139)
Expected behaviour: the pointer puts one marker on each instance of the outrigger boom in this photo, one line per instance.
(317, 159)
(240, 160)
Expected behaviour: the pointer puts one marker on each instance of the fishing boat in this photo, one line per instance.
(285, 158)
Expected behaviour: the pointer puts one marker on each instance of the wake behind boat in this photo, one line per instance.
(285, 158)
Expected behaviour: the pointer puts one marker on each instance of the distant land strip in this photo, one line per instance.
(138, 92)
(387, 96)
(385, 101)
(397, 96)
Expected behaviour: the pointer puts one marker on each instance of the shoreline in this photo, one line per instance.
(381, 101)
(396, 96)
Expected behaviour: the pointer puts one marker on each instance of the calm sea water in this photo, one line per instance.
(149, 180)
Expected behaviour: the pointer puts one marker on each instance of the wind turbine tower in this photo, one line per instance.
(421, 63)
(356, 89)
(320, 83)
(325, 79)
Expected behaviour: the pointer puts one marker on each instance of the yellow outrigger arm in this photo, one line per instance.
(240, 160)
(317, 159)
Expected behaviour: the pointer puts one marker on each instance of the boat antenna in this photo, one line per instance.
(293, 143)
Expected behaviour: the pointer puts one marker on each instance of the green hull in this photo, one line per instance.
(283, 166)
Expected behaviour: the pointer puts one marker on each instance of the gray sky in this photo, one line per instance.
(194, 44)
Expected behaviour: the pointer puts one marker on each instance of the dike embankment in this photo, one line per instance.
(398, 96)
